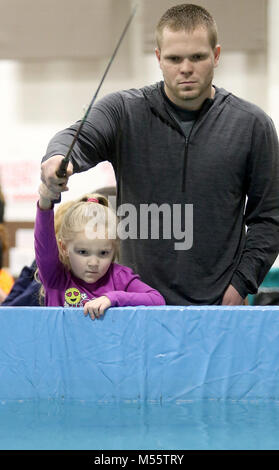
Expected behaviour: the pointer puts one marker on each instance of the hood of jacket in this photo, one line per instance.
(154, 95)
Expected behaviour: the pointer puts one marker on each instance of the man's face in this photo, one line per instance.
(187, 61)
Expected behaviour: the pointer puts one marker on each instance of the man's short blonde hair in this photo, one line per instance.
(187, 17)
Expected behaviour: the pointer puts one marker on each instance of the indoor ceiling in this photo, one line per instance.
(64, 29)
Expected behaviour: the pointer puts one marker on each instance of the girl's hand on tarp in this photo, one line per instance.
(97, 307)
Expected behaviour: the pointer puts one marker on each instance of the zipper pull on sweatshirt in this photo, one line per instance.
(183, 183)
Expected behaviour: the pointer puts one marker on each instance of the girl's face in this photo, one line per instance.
(89, 258)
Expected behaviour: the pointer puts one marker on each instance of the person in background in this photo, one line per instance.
(2, 206)
(80, 270)
(6, 279)
(186, 142)
(25, 291)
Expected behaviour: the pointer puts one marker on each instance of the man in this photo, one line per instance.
(184, 142)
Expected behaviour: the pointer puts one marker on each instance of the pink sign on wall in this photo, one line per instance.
(20, 180)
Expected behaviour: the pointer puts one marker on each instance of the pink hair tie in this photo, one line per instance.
(93, 199)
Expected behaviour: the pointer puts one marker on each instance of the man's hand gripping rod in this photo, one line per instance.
(62, 170)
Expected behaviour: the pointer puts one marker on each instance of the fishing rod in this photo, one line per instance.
(62, 170)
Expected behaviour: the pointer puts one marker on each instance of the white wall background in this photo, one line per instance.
(38, 98)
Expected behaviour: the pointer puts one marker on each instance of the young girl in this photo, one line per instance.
(79, 270)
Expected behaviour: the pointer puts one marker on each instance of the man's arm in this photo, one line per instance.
(262, 209)
(96, 142)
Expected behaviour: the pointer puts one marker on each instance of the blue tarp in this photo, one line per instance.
(154, 354)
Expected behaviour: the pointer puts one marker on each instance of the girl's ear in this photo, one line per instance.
(63, 253)
(63, 247)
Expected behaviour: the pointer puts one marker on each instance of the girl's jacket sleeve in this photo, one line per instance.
(51, 270)
(131, 291)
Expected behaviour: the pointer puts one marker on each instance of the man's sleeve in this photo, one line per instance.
(98, 138)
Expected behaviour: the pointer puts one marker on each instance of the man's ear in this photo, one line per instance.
(158, 54)
(217, 52)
